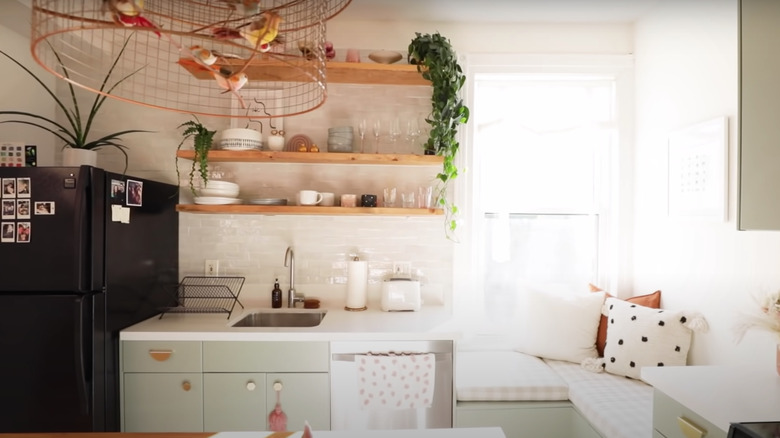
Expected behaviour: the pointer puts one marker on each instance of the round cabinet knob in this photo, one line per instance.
(186, 385)
(250, 385)
(277, 386)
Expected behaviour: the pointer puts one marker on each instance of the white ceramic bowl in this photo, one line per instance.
(240, 139)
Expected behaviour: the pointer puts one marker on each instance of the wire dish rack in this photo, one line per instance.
(207, 295)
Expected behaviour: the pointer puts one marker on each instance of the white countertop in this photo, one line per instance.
(430, 323)
(721, 394)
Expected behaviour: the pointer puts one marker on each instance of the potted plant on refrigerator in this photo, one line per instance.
(437, 61)
(75, 134)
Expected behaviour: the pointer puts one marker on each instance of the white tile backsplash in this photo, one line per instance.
(254, 247)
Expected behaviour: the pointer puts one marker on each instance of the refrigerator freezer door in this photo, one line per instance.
(56, 256)
(47, 368)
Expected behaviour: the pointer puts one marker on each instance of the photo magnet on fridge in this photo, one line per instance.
(9, 187)
(23, 231)
(9, 209)
(117, 190)
(23, 209)
(134, 192)
(44, 207)
(8, 230)
(23, 189)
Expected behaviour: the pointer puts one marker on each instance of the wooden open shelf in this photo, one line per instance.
(307, 210)
(337, 72)
(255, 156)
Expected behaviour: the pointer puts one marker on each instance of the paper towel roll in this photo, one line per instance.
(357, 284)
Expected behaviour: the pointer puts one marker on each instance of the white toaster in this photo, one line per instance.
(400, 294)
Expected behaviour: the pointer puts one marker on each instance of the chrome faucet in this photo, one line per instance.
(292, 298)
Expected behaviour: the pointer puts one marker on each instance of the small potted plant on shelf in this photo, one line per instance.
(74, 134)
(203, 140)
(437, 61)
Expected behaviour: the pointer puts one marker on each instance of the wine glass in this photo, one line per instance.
(377, 133)
(362, 132)
(413, 131)
(395, 133)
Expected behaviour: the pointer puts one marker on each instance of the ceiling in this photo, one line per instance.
(500, 11)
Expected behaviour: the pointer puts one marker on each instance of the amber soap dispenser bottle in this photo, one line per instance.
(276, 295)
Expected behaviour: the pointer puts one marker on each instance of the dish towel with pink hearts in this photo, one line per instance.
(396, 380)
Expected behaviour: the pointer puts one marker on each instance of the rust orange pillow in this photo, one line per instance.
(652, 301)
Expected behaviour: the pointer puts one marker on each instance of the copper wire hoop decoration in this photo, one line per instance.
(189, 56)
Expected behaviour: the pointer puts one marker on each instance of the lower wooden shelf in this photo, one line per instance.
(307, 210)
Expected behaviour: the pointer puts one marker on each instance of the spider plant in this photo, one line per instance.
(74, 133)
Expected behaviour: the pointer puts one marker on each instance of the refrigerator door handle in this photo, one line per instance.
(83, 390)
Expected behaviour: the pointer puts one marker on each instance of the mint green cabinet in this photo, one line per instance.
(161, 385)
(234, 402)
(213, 386)
(157, 402)
(304, 397)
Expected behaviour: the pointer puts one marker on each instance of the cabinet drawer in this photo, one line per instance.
(161, 356)
(670, 418)
(265, 356)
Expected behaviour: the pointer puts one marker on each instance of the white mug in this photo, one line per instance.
(309, 197)
(328, 199)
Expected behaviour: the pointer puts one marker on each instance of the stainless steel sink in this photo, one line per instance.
(281, 318)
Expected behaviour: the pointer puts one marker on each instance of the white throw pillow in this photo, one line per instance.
(639, 336)
(562, 326)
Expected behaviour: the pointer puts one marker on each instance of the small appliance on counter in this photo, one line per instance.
(400, 294)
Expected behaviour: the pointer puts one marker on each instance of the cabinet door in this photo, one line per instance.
(157, 402)
(759, 206)
(304, 397)
(234, 402)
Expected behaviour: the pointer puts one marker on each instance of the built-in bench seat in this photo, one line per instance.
(531, 397)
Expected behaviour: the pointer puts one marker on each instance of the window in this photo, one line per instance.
(542, 181)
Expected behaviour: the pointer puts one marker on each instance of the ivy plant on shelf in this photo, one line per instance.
(437, 61)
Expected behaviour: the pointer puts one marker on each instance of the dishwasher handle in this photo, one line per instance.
(350, 357)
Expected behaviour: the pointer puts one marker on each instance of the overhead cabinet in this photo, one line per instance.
(759, 106)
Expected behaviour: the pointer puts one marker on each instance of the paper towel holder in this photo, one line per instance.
(356, 295)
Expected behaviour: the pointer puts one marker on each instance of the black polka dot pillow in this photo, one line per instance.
(639, 336)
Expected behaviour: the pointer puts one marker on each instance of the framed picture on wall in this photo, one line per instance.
(698, 171)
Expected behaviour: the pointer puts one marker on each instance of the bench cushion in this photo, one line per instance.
(615, 406)
(505, 376)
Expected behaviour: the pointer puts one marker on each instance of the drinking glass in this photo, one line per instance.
(389, 196)
(425, 197)
(407, 200)
(362, 132)
(377, 133)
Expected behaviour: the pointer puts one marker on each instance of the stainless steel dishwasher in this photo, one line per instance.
(345, 407)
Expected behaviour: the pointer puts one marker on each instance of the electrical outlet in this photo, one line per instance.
(212, 268)
(402, 269)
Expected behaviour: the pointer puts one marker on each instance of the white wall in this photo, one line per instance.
(17, 86)
(686, 72)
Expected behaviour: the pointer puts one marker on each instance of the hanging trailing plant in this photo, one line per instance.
(202, 142)
(437, 61)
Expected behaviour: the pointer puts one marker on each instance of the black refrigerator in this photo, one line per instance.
(84, 253)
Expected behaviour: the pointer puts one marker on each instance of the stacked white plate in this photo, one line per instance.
(217, 192)
(216, 200)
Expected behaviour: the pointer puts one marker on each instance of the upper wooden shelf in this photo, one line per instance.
(308, 210)
(255, 156)
(337, 72)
